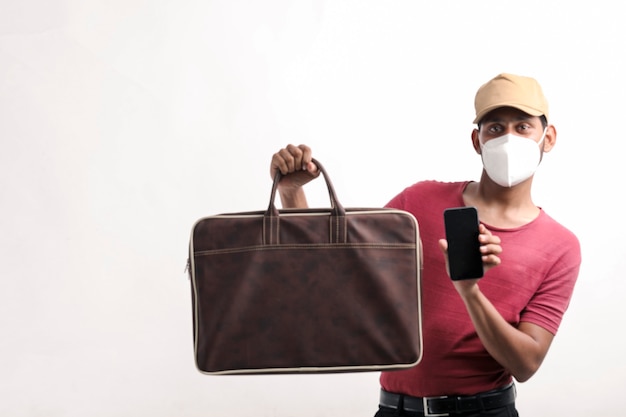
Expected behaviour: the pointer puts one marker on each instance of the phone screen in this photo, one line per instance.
(464, 257)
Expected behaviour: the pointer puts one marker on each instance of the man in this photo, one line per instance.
(479, 334)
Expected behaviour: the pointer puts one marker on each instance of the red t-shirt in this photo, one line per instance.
(534, 283)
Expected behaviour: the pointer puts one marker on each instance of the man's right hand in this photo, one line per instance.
(297, 169)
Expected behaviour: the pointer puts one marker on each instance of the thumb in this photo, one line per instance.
(443, 245)
(312, 168)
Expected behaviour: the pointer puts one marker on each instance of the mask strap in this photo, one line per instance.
(541, 145)
(542, 137)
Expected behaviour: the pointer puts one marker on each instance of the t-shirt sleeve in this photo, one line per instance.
(549, 303)
(397, 202)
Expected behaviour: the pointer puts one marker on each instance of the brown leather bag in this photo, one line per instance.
(306, 290)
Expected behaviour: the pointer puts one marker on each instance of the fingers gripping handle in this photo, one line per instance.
(271, 218)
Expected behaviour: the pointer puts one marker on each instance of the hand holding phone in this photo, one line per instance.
(464, 257)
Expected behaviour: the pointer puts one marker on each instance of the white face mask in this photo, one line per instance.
(510, 159)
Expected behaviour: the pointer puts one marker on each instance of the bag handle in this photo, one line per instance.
(338, 213)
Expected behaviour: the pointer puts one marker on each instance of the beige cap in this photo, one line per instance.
(508, 90)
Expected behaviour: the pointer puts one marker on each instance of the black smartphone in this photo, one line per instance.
(464, 257)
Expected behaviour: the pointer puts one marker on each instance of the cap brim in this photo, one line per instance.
(529, 110)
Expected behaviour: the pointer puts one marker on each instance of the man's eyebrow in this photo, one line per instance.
(519, 118)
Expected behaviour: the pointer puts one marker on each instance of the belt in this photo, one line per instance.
(448, 404)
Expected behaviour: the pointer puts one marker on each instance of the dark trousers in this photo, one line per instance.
(508, 411)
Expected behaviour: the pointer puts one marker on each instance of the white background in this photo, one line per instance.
(124, 121)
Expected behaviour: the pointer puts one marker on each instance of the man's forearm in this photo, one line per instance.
(514, 349)
(293, 198)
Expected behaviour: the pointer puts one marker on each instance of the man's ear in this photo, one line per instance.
(476, 141)
(550, 140)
